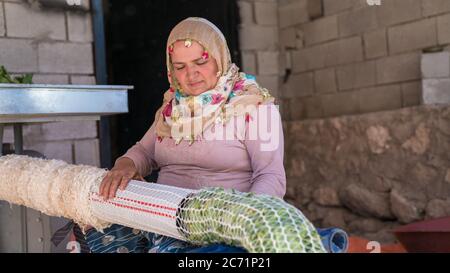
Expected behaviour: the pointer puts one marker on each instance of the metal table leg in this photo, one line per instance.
(18, 149)
(1, 139)
(18, 139)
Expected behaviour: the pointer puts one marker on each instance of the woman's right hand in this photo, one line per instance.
(118, 177)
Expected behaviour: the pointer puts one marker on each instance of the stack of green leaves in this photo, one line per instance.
(258, 223)
(5, 77)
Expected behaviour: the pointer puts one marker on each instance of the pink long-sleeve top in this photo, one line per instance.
(241, 164)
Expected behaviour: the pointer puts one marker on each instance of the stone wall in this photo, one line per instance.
(55, 45)
(361, 153)
(369, 173)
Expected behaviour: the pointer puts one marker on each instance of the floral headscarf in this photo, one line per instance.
(185, 117)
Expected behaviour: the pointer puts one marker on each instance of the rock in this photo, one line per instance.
(404, 210)
(326, 196)
(419, 143)
(424, 174)
(303, 193)
(366, 203)
(316, 212)
(402, 131)
(378, 136)
(366, 225)
(291, 192)
(384, 236)
(334, 218)
(447, 176)
(437, 208)
(297, 168)
(378, 182)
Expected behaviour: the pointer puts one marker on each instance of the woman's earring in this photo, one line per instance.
(218, 74)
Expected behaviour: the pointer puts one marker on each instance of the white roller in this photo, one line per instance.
(64, 190)
(145, 206)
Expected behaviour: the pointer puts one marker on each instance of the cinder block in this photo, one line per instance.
(375, 44)
(416, 35)
(66, 58)
(31, 133)
(387, 97)
(293, 13)
(433, 7)
(248, 62)
(246, 12)
(69, 130)
(344, 51)
(306, 108)
(411, 93)
(258, 37)
(356, 75)
(50, 79)
(315, 9)
(320, 30)
(436, 91)
(82, 80)
(394, 12)
(2, 21)
(87, 152)
(79, 25)
(284, 108)
(288, 39)
(333, 6)
(344, 103)
(399, 68)
(334, 53)
(436, 65)
(443, 26)
(23, 21)
(325, 80)
(266, 13)
(54, 150)
(358, 21)
(299, 85)
(10, 49)
(271, 83)
(268, 62)
(309, 58)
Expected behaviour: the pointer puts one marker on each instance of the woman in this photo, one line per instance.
(207, 94)
(203, 82)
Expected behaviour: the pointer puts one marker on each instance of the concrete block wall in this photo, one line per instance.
(56, 46)
(347, 57)
(259, 35)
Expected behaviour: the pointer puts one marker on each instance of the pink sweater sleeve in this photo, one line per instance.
(269, 176)
(143, 153)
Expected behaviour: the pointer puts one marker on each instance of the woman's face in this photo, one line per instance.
(193, 72)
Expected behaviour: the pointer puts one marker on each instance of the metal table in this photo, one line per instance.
(23, 229)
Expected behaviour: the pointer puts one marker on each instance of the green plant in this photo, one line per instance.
(6, 78)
